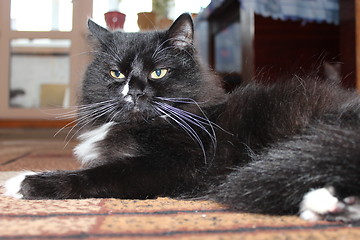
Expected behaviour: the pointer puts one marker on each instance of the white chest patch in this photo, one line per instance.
(87, 150)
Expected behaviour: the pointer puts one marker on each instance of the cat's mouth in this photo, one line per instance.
(136, 110)
(136, 105)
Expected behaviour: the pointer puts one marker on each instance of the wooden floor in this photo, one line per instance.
(33, 133)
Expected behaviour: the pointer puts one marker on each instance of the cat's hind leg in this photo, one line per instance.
(276, 180)
(320, 204)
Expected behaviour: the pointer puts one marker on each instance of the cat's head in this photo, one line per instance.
(132, 74)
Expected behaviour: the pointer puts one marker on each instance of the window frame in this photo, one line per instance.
(82, 10)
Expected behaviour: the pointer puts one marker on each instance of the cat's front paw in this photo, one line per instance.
(322, 204)
(13, 185)
(31, 185)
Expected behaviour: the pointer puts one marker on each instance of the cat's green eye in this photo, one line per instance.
(158, 73)
(117, 74)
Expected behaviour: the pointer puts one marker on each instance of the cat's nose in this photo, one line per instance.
(136, 89)
(135, 95)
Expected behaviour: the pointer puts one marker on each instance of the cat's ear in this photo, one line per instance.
(181, 32)
(96, 31)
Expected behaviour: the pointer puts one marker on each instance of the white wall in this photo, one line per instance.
(29, 72)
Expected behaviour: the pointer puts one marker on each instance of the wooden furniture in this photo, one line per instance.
(349, 28)
(274, 48)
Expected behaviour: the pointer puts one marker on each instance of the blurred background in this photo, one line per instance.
(43, 48)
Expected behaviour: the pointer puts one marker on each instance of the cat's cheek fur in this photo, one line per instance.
(87, 151)
(13, 185)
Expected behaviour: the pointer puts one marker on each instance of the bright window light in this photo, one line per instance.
(131, 8)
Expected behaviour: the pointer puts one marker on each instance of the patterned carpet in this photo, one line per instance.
(161, 218)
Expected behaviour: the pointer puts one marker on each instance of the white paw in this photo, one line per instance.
(13, 185)
(318, 202)
(311, 216)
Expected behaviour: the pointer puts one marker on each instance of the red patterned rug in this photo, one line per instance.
(161, 218)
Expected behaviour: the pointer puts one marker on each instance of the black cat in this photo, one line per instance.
(155, 122)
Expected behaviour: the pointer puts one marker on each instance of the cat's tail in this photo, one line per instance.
(316, 169)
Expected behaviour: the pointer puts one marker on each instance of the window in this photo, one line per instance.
(43, 48)
(53, 15)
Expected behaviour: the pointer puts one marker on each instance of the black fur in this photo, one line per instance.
(258, 149)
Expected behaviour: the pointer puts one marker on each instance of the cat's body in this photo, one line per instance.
(156, 123)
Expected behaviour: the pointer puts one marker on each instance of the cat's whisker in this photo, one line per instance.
(203, 128)
(78, 122)
(156, 52)
(210, 124)
(187, 128)
(74, 113)
(68, 115)
(186, 117)
(98, 112)
(204, 120)
(94, 52)
(164, 115)
(159, 49)
(82, 53)
(112, 113)
(83, 125)
(114, 52)
(180, 100)
(92, 105)
(86, 113)
(92, 113)
(115, 114)
(54, 112)
(190, 119)
(67, 125)
(171, 39)
(191, 101)
(68, 134)
(85, 121)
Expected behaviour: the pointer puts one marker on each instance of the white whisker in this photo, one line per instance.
(184, 119)
(192, 120)
(86, 114)
(190, 131)
(85, 120)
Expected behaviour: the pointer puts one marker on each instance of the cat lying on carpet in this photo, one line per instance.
(155, 122)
